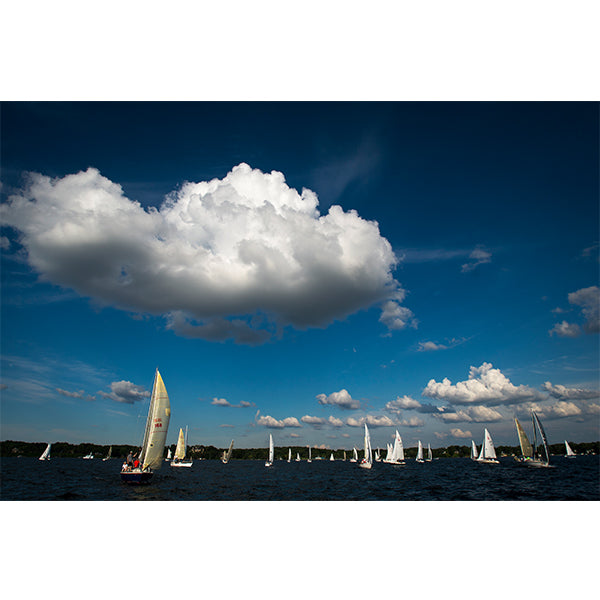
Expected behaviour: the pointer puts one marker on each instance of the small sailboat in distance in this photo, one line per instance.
(331, 457)
(354, 455)
(488, 452)
(309, 455)
(153, 446)
(179, 458)
(297, 456)
(109, 455)
(570, 453)
(89, 456)
(168, 454)
(269, 462)
(46, 453)
(419, 458)
(429, 455)
(227, 454)
(367, 461)
(289, 455)
(474, 451)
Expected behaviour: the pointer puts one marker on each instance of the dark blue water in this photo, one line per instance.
(444, 479)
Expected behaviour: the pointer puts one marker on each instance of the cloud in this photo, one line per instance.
(406, 402)
(220, 402)
(565, 393)
(125, 392)
(565, 329)
(272, 423)
(477, 414)
(459, 433)
(335, 422)
(313, 420)
(214, 257)
(396, 317)
(79, 394)
(412, 422)
(226, 403)
(4, 243)
(558, 410)
(430, 347)
(589, 300)
(371, 420)
(485, 385)
(341, 399)
(479, 256)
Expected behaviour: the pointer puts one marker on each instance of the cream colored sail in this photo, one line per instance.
(157, 425)
(180, 450)
(526, 449)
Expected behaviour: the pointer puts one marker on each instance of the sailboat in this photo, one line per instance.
(179, 458)
(354, 455)
(153, 446)
(109, 455)
(344, 455)
(227, 454)
(420, 453)
(473, 450)
(530, 456)
(488, 452)
(88, 456)
(309, 455)
(367, 461)
(46, 453)
(429, 455)
(297, 456)
(269, 462)
(395, 454)
(168, 454)
(377, 457)
(570, 453)
(289, 455)
(331, 457)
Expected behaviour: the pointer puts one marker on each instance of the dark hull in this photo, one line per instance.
(136, 477)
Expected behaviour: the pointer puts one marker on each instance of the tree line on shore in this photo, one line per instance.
(10, 448)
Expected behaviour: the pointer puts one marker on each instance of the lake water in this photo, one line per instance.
(444, 479)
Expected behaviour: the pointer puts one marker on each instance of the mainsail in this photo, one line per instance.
(526, 449)
(569, 450)
(180, 450)
(271, 449)
(487, 448)
(473, 449)
(46, 453)
(157, 425)
(537, 422)
(420, 451)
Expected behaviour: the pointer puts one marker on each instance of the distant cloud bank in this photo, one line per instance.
(238, 257)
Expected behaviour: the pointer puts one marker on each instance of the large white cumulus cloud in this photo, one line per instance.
(245, 246)
(485, 385)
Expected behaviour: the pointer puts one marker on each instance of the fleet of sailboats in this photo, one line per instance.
(395, 453)
(180, 451)
(46, 453)
(153, 446)
(488, 452)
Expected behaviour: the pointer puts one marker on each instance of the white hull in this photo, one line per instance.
(489, 461)
(394, 462)
(181, 464)
(105, 459)
(420, 460)
(365, 465)
(534, 462)
(268, 464)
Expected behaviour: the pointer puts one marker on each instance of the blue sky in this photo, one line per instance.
(299, 269)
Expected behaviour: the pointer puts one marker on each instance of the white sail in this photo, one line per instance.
(180, 450)
(109, 455)
(46, 453)
(157, 425)
(169, 454)
(488, 452)
(297, 456)
(420, 452)
(271, 449)
(227, 454)
(473, 450)
(354, 455)
(388, 454)
(367, 461)
(289, 455)
(569, 450)
(397, 451)
(331, 457)
(429, 455)
(309, 455)
(344, 455)
(400, 448)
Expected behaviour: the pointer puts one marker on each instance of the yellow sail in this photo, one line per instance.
(180, 450)
(157, 425)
